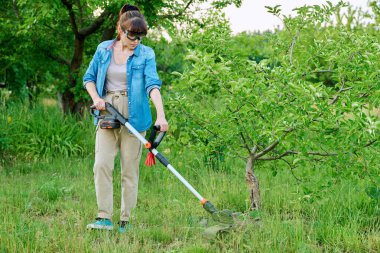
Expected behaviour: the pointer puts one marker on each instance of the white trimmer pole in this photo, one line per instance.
(181, 178)
(165, 162)
(136, 133)
(207, 205)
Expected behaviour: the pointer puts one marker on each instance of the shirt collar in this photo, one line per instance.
(112, 44)
(136, 52)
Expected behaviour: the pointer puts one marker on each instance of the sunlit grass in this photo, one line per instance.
(47, 206)
(47, 200)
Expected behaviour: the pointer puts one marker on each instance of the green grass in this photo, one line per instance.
(42, 132)
(46, 205)
(47, 197)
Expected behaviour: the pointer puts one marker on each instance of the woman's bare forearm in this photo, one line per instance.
(155, 95)
(91, 89)
(98, 101)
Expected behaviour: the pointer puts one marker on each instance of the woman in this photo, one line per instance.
(123, 73)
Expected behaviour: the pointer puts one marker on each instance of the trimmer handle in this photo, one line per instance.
(92, 112)
(155, 141)
(112, 110)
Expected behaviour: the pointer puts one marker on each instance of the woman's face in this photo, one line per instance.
(129, 40)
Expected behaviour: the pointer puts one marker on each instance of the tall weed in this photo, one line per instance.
(43, 132)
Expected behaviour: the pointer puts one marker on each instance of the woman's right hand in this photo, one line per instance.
(100, 104)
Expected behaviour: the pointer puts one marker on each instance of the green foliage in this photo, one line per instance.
(43, 132)
(252, 46)
(170, 57)
(311, 90)
(45, 39)
(315, 95)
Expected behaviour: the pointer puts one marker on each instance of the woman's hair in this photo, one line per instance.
(127, 8)
(128, 12)
(135, 25)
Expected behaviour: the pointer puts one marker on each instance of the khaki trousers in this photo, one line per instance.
(108, 143)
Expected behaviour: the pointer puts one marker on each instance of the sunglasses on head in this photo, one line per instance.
(132, 36)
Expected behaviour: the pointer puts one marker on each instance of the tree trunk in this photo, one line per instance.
(253, 183)
(68, 97)
(69, 104)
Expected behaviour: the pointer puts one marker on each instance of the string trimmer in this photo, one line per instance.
(224, 216)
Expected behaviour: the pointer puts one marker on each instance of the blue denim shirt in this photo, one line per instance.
(142, 77)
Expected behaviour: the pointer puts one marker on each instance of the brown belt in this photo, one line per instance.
(121, 92)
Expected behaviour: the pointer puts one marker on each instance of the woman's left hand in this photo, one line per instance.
(161, 121)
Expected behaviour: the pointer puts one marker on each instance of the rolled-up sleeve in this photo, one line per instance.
(92, 70)
(150, 72)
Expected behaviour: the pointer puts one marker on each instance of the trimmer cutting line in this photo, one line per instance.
(224, 216)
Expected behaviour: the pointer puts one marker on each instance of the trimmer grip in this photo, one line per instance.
(155, 141)
(92, 112)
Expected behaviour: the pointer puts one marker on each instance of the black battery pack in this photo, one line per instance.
(109, 122)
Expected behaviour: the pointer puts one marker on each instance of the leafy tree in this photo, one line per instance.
(234, 106)
(50, 36)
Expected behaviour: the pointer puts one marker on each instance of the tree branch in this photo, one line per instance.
(15, 8)
(69, 7)
(245, 142)
(292, 46)
(80, 8)
(254, 149)
(272, 146)
(179, 13)
(199, 124)
(267, 149)
(314, 153)
(57, 58)
(289, 152)
(292, 152)
(95, 25)
(291, 169)
(322, 154)
(339, 91)
(323, 71)
(258, 112)
(370, 143)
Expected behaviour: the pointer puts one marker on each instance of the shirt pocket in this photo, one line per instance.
(138, 71)
(103, 64)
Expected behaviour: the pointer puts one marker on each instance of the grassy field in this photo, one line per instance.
(46, 204)
(47, 198)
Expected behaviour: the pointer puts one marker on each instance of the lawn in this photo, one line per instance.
(46, 204)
